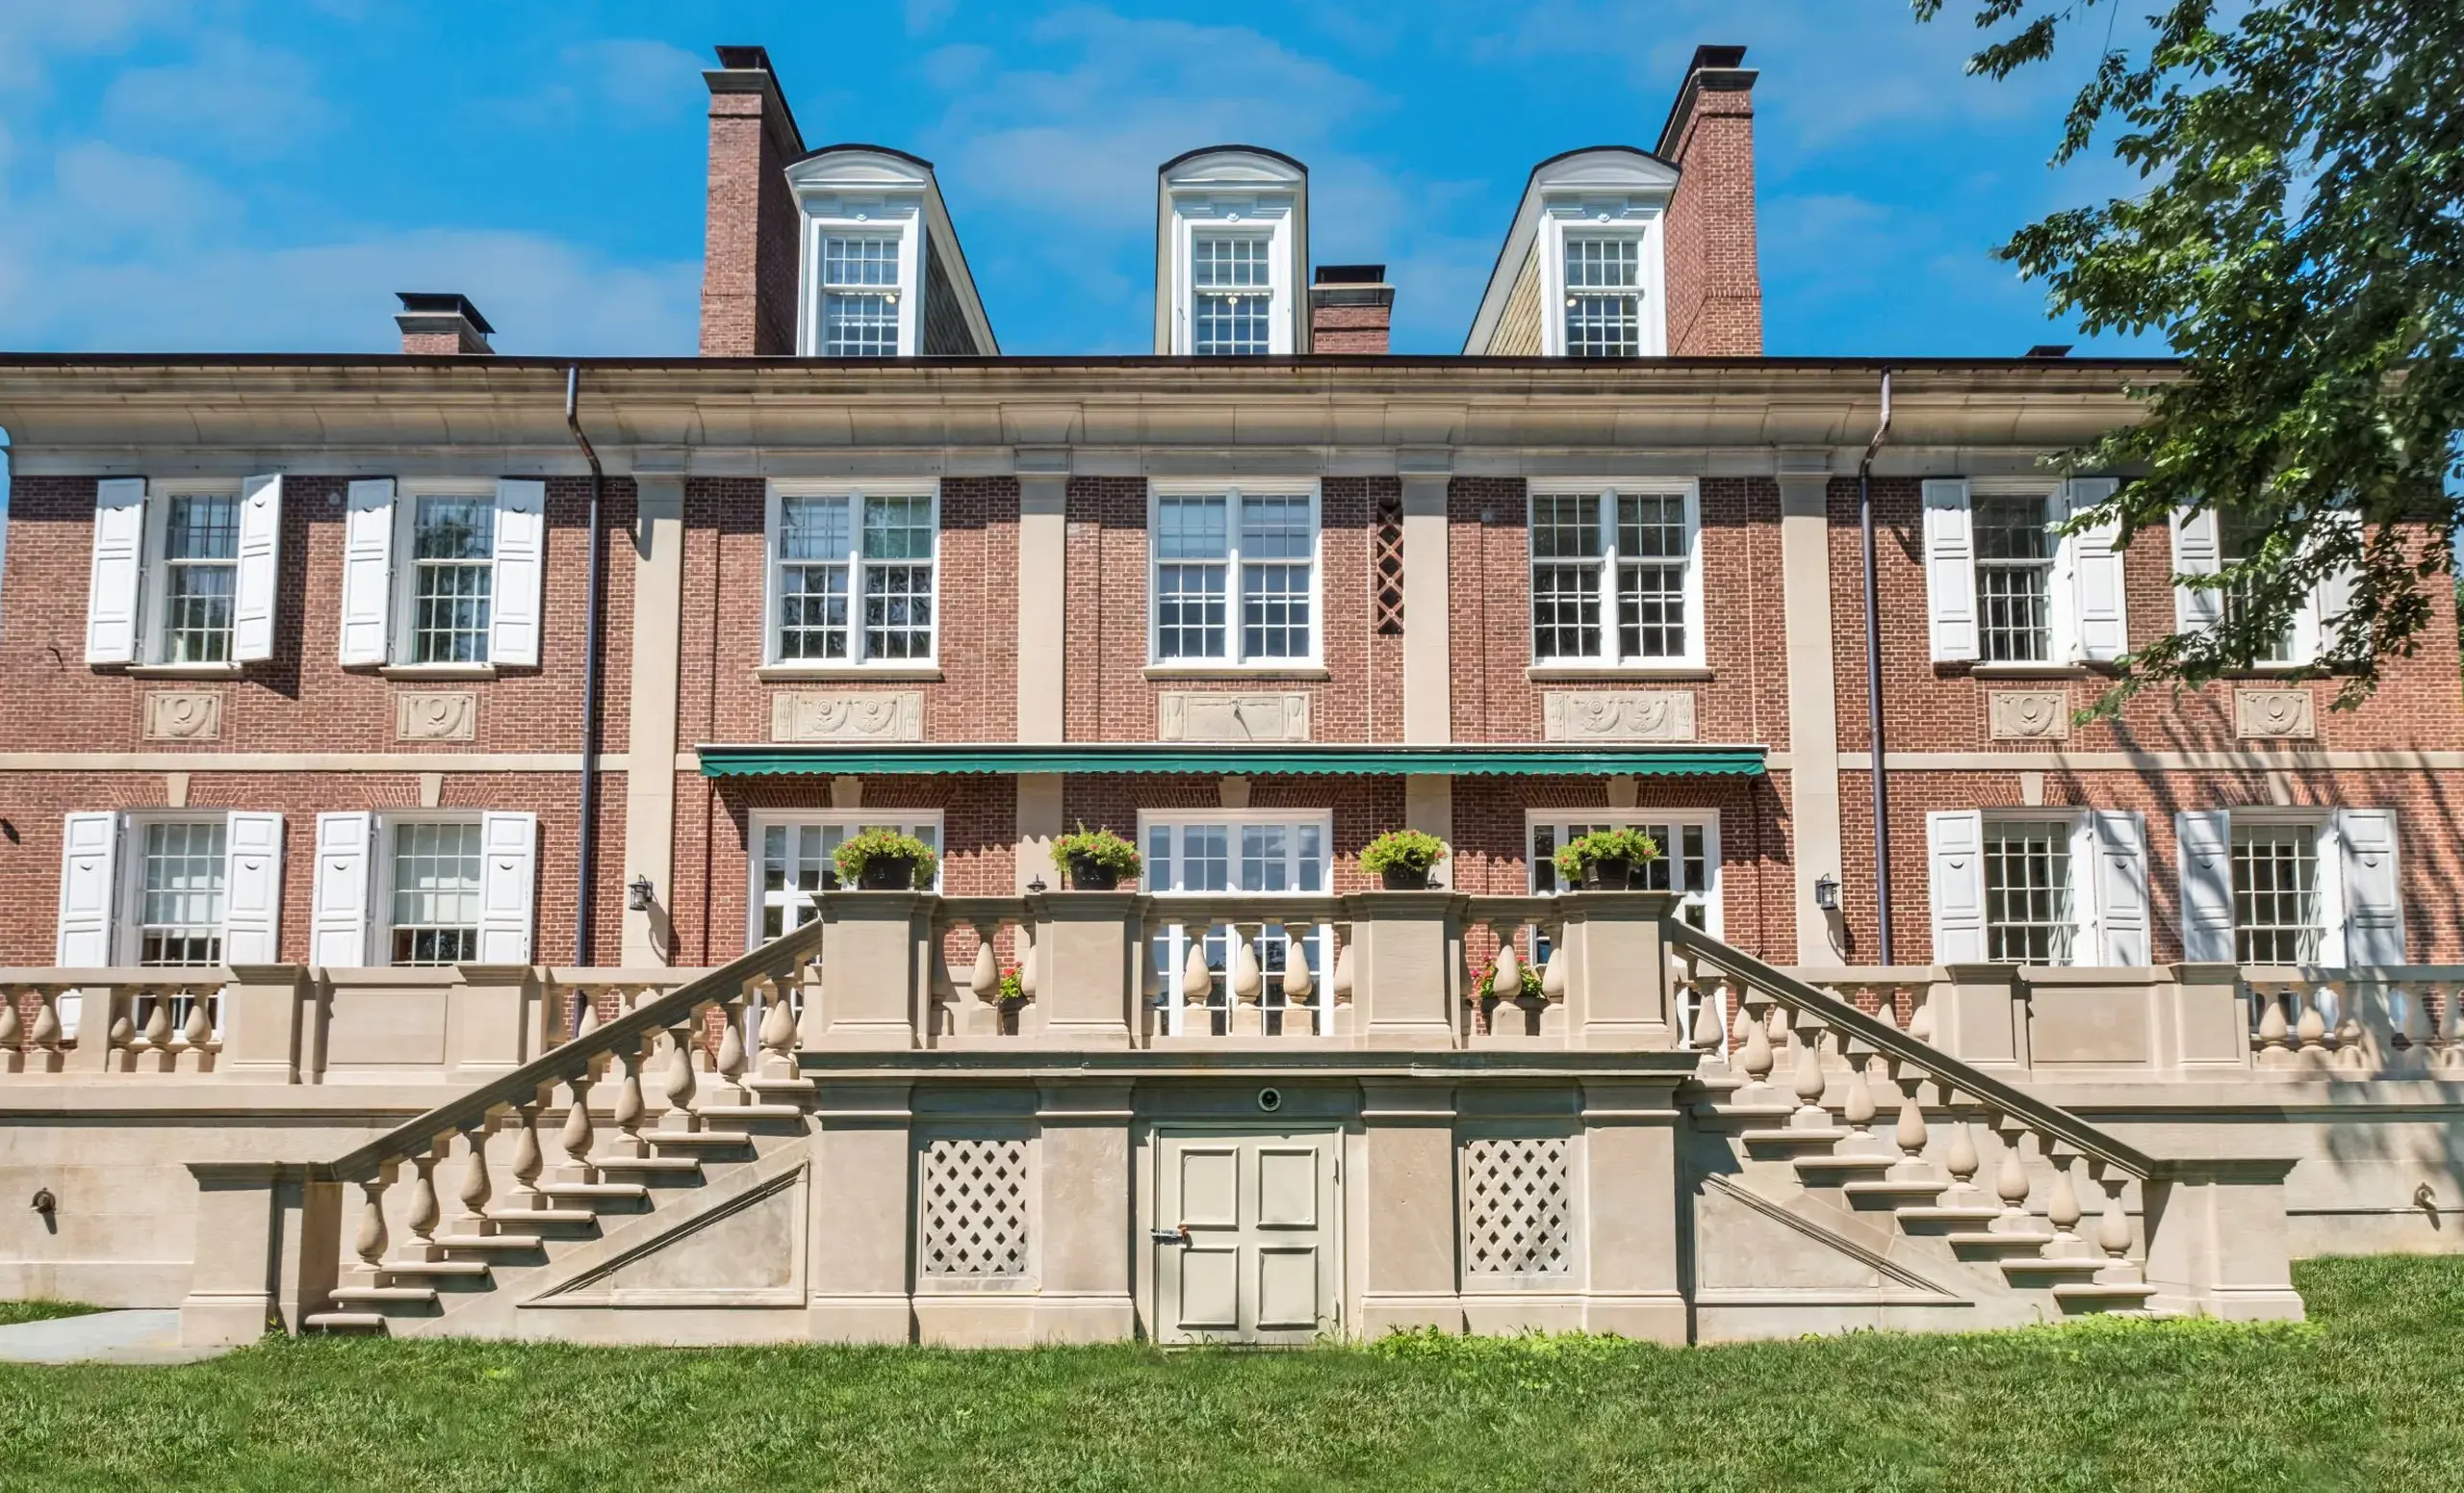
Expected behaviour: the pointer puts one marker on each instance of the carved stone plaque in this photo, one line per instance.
(184, 715)
(2274, 714)
(847, 715)
(1619, 715)
(435, 715)
(2029, 714)
(1220, 715)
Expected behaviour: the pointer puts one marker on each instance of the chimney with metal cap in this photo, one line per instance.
(749, 247)
(441, 323)
(1351, 309)
(1714, 286)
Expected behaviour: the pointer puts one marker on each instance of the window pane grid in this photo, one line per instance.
(2014, 551)
(1641, 560)
(1231, 278)
(2277, 918)
(180, 901)
(200, 551)
(1683, 866)
(1197, 562)
(1603, 309)
(823, 543)
(2234, 542)
(436, 894)
(860, 295)
(2028, 917)
(453, 549)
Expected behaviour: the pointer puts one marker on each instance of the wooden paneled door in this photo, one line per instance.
(1248, 1237)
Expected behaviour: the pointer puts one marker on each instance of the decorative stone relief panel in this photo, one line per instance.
(851, 715)
(1220, 715)
(2029, 714)
(184, 715)
(1518, 1210)
(1620, 715)
(975, 1208)
(2274, 714)
(436, 715)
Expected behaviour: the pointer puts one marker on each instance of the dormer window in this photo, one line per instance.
(1232, 248)
(1603, 295)
(1232, 284)
(1583, 272)
(860, 284)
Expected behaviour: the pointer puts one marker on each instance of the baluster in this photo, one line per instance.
(2275, 1026)
(1755, 1043)
(1299, 983)
(1886, 1006)
(12, 1061)
(586, 1015)
(1553, 973)
(678, 1084)
(2113, 1229)
(630, 1109)
(1341, 983)
(157, 1056)
(196, 1034)
(984, 983)
(527, 1160)
(424, 1212)
(729, 1090)
(45, 1036)
(2450, 1053)
(1810, 1081)
(1710, 1015)
(2011, 1182)
(1961, 1161)
(779, 1029)
(1508, 983)
(577, 1136)
(1858, 1107)
(1027, 962)
(2411, 1035)
(1197, 984)
(2061, 1204)
(2352, 1053)
(1920, 1013)
(369, 1243)
(1909, 1134)
(1248, 982)
(475, 1189)
(2311, 1031)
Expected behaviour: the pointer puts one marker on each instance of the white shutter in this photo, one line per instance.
(2204, 841)
(260, 570)
(367, 571)
(337, 918)
(2096, 589)
(252, 888)
(2373, 895)
(1956, 842)
(1950, 567)
(508, 874)
(2121, 861)
(2198, 549)
(2329, 602)
(89, 875)
(113, 585)
(521, 542)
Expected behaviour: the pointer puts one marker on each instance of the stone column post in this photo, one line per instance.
(1084, 1173)
(268, 1240)
(651, 728)
(1403, 1208)
(495, 1019)
(862, 1220)
(1406, 967)
(875, 969)
(1980, 1018)
(1631, 1211)
(264, 1012)
(1616, 965)
(1086, 949)
(1813, 711)
(2216, 1240)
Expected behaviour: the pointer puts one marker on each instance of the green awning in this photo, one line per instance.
(771, 760)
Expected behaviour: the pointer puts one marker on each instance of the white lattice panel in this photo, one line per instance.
(1518, 1215)
(975, 1208)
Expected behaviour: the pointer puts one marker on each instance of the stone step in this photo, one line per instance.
(544, 1218)
(1784, 1136)
(699, 1139)
(1890, 1193)
(598, 1192)
(439, 1269)
(492, 1244)
(386, 1296)
(1834, 1168)
(2115, 1300)
(346, 1322)
(2041, 1266)
(1926, 1217)
(2007, 1243)
(679, 1164)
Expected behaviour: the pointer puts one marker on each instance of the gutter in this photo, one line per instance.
(1874, 683)
(586, 841)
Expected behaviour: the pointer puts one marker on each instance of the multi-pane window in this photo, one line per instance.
(795, 862)
(1603, 297)
(860, 294)
(180, 894)
(1622, 556)
(1210, 547)
(2276, 914)
(454, 579)
(2030, 913)
(2014, 553)
(435, 892)
(200, 577)
(1231, 294)
(852, 576)
(2236, 537)
(1233, 853)
(1687, 863)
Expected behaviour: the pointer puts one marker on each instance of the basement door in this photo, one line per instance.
(1247, 1241)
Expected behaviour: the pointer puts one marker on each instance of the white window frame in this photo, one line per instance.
(1607, 491)
(2084, 946)
(1709, 897)
(854, 494)
(380, 913)
(1272, 293)
(2060, 619)
(1234, 492)
(1593, 218)
(2326, 845)
(128, 897)
(154, 588)
(402, 647)
(761, 821)
(900, 218)
(1172, 943)
(1267, 213)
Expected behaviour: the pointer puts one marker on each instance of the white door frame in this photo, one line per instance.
(1332, 1140)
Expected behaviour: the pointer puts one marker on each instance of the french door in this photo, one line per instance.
(1233, 851)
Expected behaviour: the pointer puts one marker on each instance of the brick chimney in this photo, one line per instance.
(1714, 288)
(749, 250)
(441, 321)
(1351, 308)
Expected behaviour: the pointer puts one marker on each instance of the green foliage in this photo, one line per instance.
(2300, 240)
(1013, 987)
(2364, 1397)
(1578, 855)
(1528, 985)
(13, 1312)
(1100, 847)
(1401, 850)
(862, 849)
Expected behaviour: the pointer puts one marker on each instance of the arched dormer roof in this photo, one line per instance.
(1244, 190)
(850, 184)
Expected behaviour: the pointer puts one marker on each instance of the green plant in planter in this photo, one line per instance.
(1403, 858)
(1096, 859)
(875, 851)
(1013, 987)
(1530, 982)
(1627, 847)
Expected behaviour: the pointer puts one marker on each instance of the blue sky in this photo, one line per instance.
(222, 175)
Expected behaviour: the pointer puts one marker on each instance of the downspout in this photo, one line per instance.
(1874, 682)
(586, 841)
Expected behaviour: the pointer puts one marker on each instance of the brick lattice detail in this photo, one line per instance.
(1518, 1215)
(975, 1208)
(1386, 564)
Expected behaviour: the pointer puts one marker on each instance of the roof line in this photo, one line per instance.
(1295, 163)
(1333, 360)
(854, 144)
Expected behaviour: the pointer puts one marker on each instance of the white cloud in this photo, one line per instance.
(634, 80)
(32, 31)
(955, 66)
(231, 93)
(924, 16)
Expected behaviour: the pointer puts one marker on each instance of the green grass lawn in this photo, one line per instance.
(13, 1312)
(2370, 1394)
